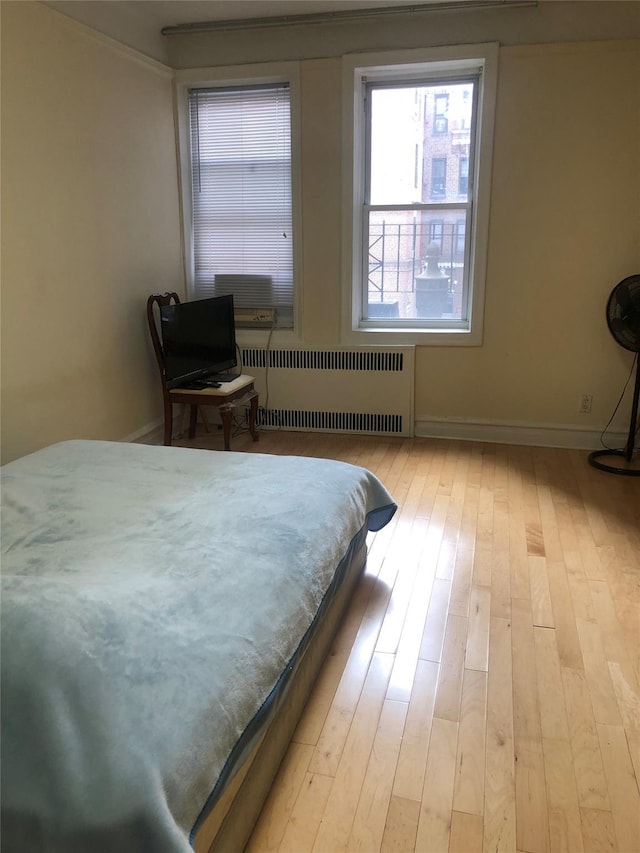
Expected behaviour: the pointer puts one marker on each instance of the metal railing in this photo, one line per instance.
(397, 254)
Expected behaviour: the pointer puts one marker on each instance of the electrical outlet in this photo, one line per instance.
(585, 404)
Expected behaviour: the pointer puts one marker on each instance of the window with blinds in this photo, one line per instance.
(241, 192)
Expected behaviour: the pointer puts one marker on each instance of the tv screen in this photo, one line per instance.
(198, 339)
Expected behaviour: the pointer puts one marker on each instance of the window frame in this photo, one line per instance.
(232, 76)
(358, 70)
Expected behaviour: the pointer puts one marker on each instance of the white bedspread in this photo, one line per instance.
(151, 596)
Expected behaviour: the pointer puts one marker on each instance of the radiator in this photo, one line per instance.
(366, 390)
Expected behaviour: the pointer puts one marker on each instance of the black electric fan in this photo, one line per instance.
(623, 319)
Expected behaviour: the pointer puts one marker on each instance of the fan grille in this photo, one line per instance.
(623, 313)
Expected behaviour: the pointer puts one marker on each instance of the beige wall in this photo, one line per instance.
(90, 227)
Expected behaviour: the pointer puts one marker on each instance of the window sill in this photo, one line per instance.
(389, 336)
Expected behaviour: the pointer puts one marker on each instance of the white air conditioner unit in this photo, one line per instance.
(254, 318)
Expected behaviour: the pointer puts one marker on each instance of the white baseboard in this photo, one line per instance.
(493, 432)
(144, 431)
(504, 432)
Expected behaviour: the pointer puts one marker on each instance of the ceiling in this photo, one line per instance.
(166, 13)
(171, 12)
(139, 23)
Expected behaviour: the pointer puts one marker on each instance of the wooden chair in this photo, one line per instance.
(225, 397)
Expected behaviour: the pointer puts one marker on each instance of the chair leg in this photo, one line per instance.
(253, 414)
(226, 416)
(168, 422)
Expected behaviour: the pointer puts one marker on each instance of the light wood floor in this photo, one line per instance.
(482, 693)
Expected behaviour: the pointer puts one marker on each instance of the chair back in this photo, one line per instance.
(154, 304)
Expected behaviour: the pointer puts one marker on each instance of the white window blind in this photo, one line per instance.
(241, 191)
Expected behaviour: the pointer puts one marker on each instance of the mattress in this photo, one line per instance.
(153, 601)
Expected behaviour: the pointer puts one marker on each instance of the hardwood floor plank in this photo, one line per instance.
(409, 645)
(633, 742)
(412, 761)
(302, 826)
(436, 621)
(601, 690)
(532, 817)
(587, 761)
(548, 520)
(451, 669)
(466, 833)
(565, 827)
(598, 831)
(338, 721)
(468, 793)
(539, 592)
(394, 618)
(484, 530)
(526, 709)
(518, 545)
(278, 808)
(401, 826)
(335, 826)
(477, 651)
(448, 539)
(322, 697)
(627, 694)
(499, 799)
(553, 711)
(564, 617)
(461, 583)
(370, 819)
(434, 825)
(500, 566)
(618, 645)
(621, 782)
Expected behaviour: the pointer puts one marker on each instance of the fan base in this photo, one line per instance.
(629, 467)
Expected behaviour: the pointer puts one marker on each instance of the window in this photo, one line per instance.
(441, 105)
(422, 248)
(241, 196)
(438, 176)
(463, 176)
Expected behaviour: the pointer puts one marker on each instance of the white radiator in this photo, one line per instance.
(362, 390)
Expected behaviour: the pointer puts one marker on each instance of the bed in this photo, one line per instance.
(165, 612)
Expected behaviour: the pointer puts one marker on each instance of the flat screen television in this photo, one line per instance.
(198, 339)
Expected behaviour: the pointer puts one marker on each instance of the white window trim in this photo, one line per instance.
(401, 64)
(242, 75)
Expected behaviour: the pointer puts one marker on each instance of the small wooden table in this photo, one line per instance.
(225, 398)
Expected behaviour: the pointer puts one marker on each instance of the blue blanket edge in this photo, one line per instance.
(375, 520)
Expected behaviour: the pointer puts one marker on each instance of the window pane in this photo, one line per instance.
(416, 265)
(435, 121)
